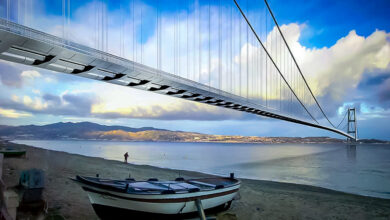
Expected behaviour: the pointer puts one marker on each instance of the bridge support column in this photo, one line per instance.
(352, 126)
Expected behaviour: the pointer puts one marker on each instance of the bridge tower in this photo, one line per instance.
(352, 126)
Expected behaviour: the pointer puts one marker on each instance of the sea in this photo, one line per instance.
(362, 169)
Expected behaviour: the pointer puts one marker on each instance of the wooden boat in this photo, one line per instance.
(12, 152)
(158, 198)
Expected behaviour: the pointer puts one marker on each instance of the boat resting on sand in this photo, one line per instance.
(159, 198)
(12, 152)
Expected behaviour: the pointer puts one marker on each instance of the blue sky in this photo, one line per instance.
(328, 21)
(345, 45)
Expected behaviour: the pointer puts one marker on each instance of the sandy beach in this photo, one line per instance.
(257, 199)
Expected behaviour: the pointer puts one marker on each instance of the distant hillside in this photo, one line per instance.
(93, 131)
(62, 130)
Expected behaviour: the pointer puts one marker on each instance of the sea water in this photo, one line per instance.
(362, 169)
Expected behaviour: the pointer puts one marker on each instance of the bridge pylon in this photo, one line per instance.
(352, 124)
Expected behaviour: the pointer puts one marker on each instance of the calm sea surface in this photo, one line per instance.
(364, 169)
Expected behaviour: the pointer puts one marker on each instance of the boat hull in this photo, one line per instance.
(105, 201)
(109, 212)
(176, 204)
(153, 199)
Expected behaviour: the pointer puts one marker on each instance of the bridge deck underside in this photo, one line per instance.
(30, 47)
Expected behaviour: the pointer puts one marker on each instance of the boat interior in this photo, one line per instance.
(153, 185)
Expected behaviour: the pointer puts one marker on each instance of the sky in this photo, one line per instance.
(343, 48)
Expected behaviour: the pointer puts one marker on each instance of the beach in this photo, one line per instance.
(257, 199)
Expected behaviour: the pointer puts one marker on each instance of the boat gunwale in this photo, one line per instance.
(87, 183)
(165, 200)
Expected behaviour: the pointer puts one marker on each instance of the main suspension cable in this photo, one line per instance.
(296, 63)
(273, 62)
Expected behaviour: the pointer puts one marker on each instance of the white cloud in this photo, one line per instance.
(36, 91)
(35, 103)
(30, 74)
(335, 70)
(119, 101)
(10, 113)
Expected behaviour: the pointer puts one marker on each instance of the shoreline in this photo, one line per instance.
(258, 198)
(213, 142)
(375, 194)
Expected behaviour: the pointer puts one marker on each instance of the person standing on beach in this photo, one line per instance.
(126, 156)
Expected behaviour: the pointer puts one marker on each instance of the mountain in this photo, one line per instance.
(61, 130)
(93, 131)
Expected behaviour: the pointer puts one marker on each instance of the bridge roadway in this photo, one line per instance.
(27, 46)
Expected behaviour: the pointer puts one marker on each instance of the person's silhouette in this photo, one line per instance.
(126, 156)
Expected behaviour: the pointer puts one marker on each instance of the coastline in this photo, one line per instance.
(274, 140)
(258, 199)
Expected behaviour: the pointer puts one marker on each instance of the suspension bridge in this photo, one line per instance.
(226, 53)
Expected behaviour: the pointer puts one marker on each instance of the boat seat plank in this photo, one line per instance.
(147, 185)
(180, 186)
(189, 186)
(202, 183)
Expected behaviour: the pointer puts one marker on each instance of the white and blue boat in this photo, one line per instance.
(158, 198)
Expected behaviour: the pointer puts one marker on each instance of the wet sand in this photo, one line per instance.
(257, 199)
